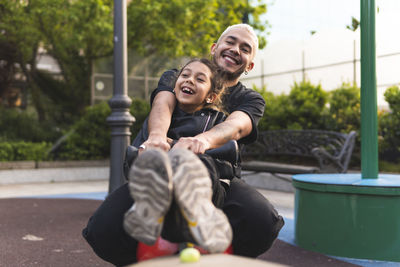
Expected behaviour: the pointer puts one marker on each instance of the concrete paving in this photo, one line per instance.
(49, 175)
(37, 189)
(92, 183)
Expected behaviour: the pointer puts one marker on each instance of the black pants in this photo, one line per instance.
(255, 222)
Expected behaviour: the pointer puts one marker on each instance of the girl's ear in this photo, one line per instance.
(211, 98)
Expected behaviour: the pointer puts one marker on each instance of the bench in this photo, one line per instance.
(330, 150)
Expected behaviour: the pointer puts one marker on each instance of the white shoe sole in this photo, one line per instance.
(208, 225)
(150, 186)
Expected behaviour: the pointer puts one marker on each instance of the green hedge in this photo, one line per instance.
(389, 126)
(18, 125)
(15, 151)
(303, 108)
(91, 134)
(307, 106)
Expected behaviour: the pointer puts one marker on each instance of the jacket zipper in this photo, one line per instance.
(208, 120)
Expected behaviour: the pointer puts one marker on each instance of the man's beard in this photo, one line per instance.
(227, 75)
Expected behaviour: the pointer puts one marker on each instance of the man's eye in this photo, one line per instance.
(229, 42)
(245, 50)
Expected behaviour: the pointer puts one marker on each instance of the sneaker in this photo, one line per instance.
(207, 224)
(150, 186)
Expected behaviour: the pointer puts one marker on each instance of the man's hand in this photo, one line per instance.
(236, 126)
(195, 144)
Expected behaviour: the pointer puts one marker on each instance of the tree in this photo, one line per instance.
(78, 33)
(7, 67)
(75, 33)
(176, 28)
(18, 44)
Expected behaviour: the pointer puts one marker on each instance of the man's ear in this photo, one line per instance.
(250, 67)
(213, 47)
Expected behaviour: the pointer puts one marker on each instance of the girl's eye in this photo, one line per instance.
(200, 80)
(184, 75)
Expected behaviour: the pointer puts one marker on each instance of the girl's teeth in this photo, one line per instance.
(186, 90)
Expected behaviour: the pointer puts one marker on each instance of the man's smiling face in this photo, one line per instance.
(234, 52)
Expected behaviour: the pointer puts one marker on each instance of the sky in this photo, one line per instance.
(295, 19)
(290, 44)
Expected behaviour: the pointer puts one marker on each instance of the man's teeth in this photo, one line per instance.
(230, 59)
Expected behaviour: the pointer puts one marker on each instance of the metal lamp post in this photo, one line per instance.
(120, 119)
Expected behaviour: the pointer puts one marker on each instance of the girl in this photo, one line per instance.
(159, 200)
(192, 181)
(198, 90)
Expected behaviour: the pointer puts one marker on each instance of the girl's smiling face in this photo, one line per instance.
(192, 88)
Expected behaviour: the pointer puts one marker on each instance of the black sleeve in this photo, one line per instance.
(166, 83)
(254, 107)
(251, 103)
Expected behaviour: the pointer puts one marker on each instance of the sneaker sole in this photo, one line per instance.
(208, 225)
(150, 186)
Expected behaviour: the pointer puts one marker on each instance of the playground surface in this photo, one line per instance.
(41, 225)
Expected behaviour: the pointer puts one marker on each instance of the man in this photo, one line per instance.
(255, 223)
(234, 53)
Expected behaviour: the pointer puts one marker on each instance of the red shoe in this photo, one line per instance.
(229, 250)
(160, 248)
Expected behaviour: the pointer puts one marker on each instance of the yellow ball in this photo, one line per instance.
(189, 255)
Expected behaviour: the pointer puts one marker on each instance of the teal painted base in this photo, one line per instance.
(344, 215)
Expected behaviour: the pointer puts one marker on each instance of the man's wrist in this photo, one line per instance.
(157, 136)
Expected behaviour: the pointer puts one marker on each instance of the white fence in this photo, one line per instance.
(328, 59)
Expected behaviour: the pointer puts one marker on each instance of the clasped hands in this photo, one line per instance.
(196, 144)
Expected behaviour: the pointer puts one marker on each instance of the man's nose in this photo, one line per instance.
(235, 49)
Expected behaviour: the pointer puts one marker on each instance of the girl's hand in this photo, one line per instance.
(156, 141)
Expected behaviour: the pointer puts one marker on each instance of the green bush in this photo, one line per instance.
(344, 114)
(6, 152)
(16, 151)
(90, 138)
(303, 108)
(309, 107)
(18, 125)
(275, 112)
(344, 109)
(389, 126)
(306, 106)
(140, 110)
